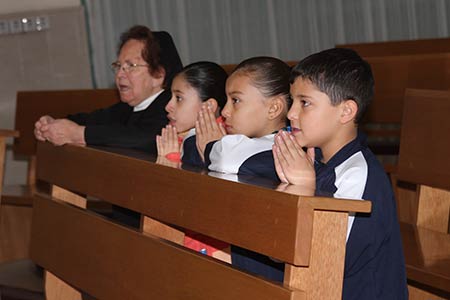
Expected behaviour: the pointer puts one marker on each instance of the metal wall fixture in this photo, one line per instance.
(24, 25)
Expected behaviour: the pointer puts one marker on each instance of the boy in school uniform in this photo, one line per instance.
(331, 90)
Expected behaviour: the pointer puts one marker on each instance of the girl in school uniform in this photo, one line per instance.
(198, 83)
(256, 108)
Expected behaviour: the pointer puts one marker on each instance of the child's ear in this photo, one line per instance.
(212, 104)
(349, 110)
(277, 106)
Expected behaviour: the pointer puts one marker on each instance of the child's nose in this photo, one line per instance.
(293, 113)
(225, 111)
(169, 106)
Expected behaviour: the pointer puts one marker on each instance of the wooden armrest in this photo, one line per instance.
(9, 133)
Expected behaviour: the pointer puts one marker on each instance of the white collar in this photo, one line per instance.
(146, 103)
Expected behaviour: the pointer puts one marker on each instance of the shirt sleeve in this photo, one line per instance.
(351, 179)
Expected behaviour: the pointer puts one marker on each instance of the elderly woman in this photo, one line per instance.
(144, 69)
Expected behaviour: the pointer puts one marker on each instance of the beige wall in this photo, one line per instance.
(52, 59)
(13, 6)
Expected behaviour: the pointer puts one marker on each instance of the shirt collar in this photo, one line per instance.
(146, 103)
(345, 152)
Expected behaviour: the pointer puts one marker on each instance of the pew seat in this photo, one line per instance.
(427, 257)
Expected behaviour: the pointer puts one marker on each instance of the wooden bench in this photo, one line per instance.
(406, 47)
(109, 261)
(393, 74)
(424, 160)
(16, 200)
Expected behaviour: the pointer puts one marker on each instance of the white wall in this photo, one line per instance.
(14, 6)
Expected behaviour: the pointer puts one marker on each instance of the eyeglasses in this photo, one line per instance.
(126, 67)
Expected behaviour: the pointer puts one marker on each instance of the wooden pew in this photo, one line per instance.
(109, 261)
(16, 200)
(406, 47)
(17, 275)
(393, 74)
(424, 160)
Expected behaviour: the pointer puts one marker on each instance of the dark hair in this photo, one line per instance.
(341, 74)
(269, 74)
(159, 51)
(208, 79)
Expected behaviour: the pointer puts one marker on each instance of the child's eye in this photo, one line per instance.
(305, 103)
(235, 100)
(178, 98)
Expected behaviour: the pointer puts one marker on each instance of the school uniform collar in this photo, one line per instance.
(325, 174)
(342, 155)
(146, 103)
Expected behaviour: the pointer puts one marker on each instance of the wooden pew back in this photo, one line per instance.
(407, 47)
(393, 74)
(424, 161)
(31, 105)
(424, 151)
(109, 261)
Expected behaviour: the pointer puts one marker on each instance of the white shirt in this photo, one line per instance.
(146, 103)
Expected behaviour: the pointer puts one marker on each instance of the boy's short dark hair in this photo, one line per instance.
(341, 74)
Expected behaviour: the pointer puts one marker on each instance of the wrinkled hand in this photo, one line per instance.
(167, 142)
(207, 129)
(44, 120)
(63, 131)
(292, 164)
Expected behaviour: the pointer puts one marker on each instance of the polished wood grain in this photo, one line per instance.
(433, 209)
(424, 143)
(423, 161)
(30, 105)
(322, 279)
(15, 231)
(423, 147)
(144, 187)
(427, 256)
(162, 230)
(80, 250)
(393, 74)
(306, 232)
(55, 287)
